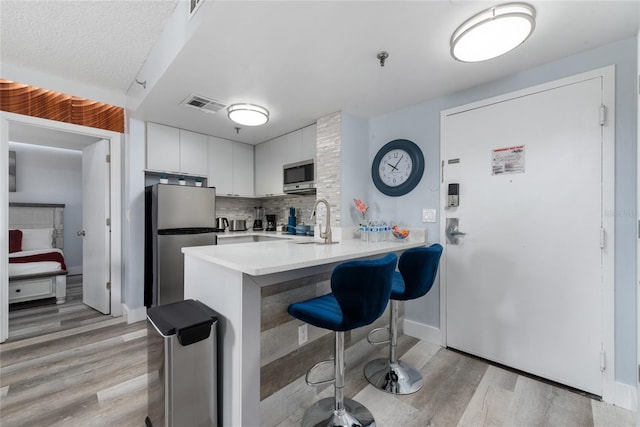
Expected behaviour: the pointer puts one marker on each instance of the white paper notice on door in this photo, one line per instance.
(507, 160)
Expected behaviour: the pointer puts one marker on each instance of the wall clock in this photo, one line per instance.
(397, 167)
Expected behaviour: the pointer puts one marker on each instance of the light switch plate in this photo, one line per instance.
(428, 215)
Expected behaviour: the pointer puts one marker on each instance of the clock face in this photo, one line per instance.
(397, 167)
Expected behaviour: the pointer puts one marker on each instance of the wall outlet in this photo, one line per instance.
(303, 334)
(428, 215)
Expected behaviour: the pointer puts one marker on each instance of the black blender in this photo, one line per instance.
(257, 221)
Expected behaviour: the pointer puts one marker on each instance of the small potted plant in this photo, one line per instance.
(198, 181)
(164, 178)
(181, 180)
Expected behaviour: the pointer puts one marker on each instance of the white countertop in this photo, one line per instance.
(275, 256)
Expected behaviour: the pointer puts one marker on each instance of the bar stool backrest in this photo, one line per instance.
(362, 289)
(419, 267)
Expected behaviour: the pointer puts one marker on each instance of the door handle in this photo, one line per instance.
(81, 233)
(452, 231)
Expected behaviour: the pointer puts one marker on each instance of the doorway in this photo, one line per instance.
(114, 141)
(530, 284)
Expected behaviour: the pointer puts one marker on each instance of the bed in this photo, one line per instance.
(36, 261)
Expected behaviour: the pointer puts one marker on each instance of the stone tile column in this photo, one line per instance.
(328, 165)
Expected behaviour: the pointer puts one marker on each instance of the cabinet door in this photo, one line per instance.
(262, 166)
(193, 153)
(221, 165)
(293, 143)
(309, 135)
(242, 169)
(163, 148)
(278, 155)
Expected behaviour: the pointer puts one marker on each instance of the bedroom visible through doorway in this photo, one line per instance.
(71, 137)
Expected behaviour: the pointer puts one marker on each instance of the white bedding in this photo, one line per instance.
(34, 267)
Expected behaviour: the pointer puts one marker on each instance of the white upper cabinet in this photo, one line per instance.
(309, 135)
(163, 148)
(176, 151)
(242, 169)
(221, 165)
(293, 143)
(230, 167)
(193, 153)
(270, 156)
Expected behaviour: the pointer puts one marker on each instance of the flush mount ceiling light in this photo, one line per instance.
(493, 32)
(248, 114)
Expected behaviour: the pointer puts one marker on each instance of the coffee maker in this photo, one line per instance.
(257, 222)
(271, 223)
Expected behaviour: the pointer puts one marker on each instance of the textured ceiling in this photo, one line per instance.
(101, 43)
(300, 59)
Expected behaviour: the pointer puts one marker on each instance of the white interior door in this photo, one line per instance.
(523, 286)
(96, 240)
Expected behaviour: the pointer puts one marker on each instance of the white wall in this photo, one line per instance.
(133, 215)
(53, 175)
(421, 124)
(354, 166)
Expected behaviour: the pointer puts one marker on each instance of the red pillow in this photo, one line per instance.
(15, 241)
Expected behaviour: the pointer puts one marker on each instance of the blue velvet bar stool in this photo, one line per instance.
(360, 293)
(418, 268)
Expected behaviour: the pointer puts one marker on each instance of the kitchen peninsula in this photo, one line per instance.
(240, 281)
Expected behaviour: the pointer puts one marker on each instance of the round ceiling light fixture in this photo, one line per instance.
(493, 32)
(248, 114)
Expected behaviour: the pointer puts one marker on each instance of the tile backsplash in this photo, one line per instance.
(243, 208)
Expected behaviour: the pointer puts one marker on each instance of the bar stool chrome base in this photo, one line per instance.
(394, 378)
(323, 414)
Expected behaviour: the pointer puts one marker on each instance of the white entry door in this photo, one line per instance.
(523, 285)
(96, 240)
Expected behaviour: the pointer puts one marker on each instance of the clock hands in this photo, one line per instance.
(397, 163)
(395, 167)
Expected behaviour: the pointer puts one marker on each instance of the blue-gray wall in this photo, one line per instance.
(421, 124)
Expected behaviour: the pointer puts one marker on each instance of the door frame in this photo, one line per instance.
(116, 145)
(608, 208)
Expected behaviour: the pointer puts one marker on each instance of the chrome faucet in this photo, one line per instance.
(326, 235)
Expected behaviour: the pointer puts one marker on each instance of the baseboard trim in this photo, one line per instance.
(133, 315)
(74, 270)
(626, 396)
(423, 332)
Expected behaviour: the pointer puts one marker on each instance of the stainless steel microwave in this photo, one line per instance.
(299, 177)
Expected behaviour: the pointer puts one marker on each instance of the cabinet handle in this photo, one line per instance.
(17, 290)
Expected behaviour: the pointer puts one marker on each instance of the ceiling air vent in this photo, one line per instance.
(203, 104)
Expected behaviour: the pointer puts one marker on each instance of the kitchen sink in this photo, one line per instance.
(306, 242)
(229, 240)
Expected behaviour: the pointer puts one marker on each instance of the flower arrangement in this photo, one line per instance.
(361, 207)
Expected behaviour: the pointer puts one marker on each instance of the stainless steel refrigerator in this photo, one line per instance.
(176, 216)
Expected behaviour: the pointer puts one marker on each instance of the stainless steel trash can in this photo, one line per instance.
(182, 365)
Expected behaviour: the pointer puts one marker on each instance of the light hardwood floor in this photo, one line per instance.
(96, 375)
(39, 317)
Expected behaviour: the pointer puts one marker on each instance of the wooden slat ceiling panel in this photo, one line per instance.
(28, 100)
